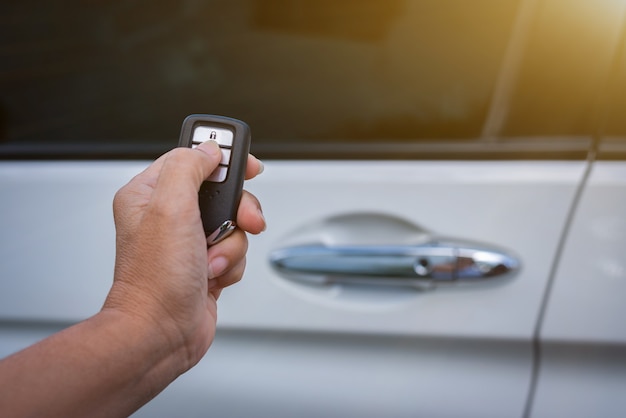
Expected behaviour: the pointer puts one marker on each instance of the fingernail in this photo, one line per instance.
(210, 147)
(264, 221)
(217, 267)
(261, 166)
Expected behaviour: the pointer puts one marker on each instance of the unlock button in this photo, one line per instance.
(223, 136)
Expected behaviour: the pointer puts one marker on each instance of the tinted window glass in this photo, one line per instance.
(616, 95)
(562, 78)
(305, 73)
(316, 70)
(613, 141)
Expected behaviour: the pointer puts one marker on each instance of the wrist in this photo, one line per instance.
(150, 353)
(154, 329)
(158, 351)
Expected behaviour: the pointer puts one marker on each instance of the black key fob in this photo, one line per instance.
(220, 194)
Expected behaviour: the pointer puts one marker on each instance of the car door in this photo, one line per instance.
(423, 162)
(582, 346)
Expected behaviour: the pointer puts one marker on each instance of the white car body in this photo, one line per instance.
(283, 348)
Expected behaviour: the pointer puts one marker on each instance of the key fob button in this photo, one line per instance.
(225, 156)
(219, 175)
(222, 136)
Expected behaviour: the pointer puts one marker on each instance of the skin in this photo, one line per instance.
(160, 315)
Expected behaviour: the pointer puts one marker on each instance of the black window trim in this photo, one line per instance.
(562, 148)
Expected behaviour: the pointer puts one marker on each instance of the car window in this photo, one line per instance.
(613, 131)
(313, 78)
(569, 51)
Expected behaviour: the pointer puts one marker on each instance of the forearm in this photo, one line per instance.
(108, 365)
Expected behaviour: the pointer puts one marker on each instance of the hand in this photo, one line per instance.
(164, 274)
(159, 317)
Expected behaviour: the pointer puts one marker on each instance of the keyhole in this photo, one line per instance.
(421, 267)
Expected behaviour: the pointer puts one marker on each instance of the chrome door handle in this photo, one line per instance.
(408, 264)
(380, 249)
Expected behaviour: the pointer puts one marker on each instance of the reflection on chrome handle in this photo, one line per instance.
(394, 265)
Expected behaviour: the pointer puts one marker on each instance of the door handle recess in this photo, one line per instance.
(423, 264)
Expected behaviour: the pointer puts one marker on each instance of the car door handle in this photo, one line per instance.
(366, 248)
(393, 265)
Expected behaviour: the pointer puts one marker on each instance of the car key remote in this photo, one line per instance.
(219, 194)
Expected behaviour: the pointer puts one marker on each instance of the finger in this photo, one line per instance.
(215, 293)
(229, 278)
(183, 170)
(212, 149)
(254, 167)
(150, 174)
(250, 216)
(226, 253)
(137, 185)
